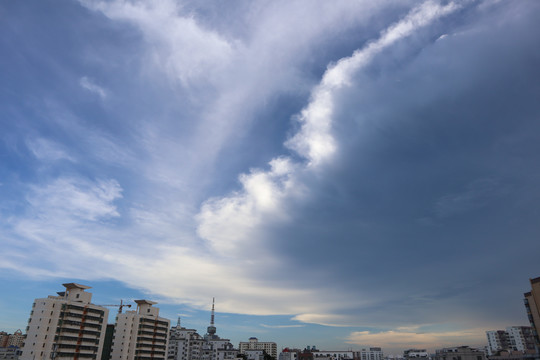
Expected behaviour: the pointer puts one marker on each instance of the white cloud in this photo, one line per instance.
(44, 149)
(91, 86)
(282, 326)
(70, 197)
(180, 46)
(231, 222)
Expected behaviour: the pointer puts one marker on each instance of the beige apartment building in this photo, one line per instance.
(67, 326)
(532, 304)
(140, 334)
(255, 344)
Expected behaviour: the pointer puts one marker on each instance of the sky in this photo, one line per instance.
(339, 174)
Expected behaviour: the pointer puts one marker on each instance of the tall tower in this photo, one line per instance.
(211, 330)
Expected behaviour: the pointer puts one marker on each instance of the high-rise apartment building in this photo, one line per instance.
(254, 344)
(140, 334)
(521, 338)
(498, 340)
(67, 326)
(532, 304)
(515, 338)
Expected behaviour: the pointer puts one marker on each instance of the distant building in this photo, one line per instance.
(254, 354)
(289, 354)
(514, 338)
(67, 326)
(333, 355)
(140, 334)
(10, 353)
(415, 353)
(521, 338)
(532, 305)
(184, 344)
(16, 339)
(498, 340)
(255, 344)
(459, 353)
(371, 353)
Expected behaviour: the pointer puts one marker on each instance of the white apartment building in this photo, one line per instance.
(255, 344)
(516, 338)
(521, 337)
(371, 353)
(66, 326)
(140, 334)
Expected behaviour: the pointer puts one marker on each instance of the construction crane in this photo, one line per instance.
(120, 306)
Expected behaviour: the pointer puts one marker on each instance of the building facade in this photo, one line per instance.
(532, 305)
(459, 353)
(371, 353)
(254, 344)
(184, 344)
(16, 339)
(289, 354)
(140, 334)
(187, 344)
(514, 338)
(67, 326)
(498, 340)
(415, 353)
(521, 338)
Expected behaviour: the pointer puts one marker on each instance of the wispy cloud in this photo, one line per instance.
(282, 326)
(91, 86)
(71, 197)
(48, 150)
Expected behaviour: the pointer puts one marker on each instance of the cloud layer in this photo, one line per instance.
(363, 168)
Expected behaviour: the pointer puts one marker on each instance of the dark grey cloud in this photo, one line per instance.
(431, 207)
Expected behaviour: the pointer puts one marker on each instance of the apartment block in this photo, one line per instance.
(184, 344)
(67, 326)
(140, 334)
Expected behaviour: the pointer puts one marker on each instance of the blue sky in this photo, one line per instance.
(335, 173)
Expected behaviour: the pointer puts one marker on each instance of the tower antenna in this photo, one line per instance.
(212, 316)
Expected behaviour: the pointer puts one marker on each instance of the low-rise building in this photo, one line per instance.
(371, 353)
(459, 353)
(415, 354)
(255, 344)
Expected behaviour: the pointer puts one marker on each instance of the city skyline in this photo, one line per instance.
(338, 174)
